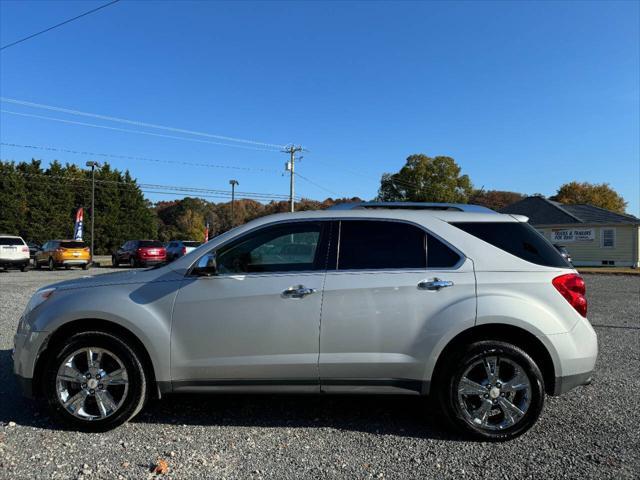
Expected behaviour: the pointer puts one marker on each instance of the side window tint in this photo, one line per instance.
(282, 248)
(439, 255)
(371, 244)
(518, 239)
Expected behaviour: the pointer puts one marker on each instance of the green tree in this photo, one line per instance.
(599, 194)
(426, 179)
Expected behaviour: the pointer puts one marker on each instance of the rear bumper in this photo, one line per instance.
(75, 261)
(14, 262)
(152, 260)
(564, 384)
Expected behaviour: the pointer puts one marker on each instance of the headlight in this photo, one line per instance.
(39, 297)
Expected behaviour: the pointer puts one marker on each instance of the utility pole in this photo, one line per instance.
(233, 184)
(290, 166)
(93, 166)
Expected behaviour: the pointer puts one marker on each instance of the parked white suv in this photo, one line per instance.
(14, 252)
(473, 307)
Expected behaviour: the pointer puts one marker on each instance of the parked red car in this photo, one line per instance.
(140, 253)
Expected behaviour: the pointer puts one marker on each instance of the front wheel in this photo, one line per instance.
(52, 266)
(132, 262)
(95, 382)
(492, 390)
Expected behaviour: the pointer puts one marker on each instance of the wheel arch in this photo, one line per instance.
(83, 325)
(517, 336)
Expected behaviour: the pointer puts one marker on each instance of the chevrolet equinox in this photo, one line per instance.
(474, 308)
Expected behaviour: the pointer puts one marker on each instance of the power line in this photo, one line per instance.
(138, 123)
(133, 157)
(73, 122)
(316, 184)
(59, 25)
(176, 188)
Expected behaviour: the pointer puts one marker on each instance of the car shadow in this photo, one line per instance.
(381, 415)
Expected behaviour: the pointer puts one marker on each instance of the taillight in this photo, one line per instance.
(184, 250)
(25, 249)
(572, 288)
(60, 250)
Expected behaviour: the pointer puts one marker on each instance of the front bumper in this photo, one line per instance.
(26, 347)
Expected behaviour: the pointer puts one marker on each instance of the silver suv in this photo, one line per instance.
(475, 308)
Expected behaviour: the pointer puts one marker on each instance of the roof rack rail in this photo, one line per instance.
(452, 207)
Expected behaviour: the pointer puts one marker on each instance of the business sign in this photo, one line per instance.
(569, 235)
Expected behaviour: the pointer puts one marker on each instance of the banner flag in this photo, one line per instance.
(206, 233)
(77, 231)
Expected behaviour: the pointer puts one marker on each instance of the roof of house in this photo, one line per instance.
(542, 211)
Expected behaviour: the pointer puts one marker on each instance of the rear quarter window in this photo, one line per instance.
(516, 238)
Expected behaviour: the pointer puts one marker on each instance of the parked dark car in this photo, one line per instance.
(140, 253)
(563, 251)
(33, 249)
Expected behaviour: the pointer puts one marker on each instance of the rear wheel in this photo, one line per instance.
(132, 262)
(114, 261)
(23, 268)
(492, 390)
(52, 265)
(86, 266)
(95, 382)
(37, 264)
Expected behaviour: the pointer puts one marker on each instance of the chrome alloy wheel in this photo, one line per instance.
(494, 393)
(92, 383)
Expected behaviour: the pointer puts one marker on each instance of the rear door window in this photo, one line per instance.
(516, 238)
(378, 245)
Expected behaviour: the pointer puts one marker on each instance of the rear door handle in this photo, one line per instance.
(298, 291)
(435, 284)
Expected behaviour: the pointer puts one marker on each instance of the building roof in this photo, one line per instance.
(542, 211)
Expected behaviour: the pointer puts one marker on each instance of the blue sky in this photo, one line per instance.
(525, 96)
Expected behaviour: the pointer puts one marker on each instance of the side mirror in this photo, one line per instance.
(206, 266)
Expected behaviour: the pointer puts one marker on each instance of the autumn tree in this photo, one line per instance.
(597, 194)
(426, 179)
(495, 199)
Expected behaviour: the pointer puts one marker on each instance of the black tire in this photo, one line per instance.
(67, 267)
(114, 261)
(132, 262)
(86, 266)
(23, 268)
(132, 401)
(52, 266)
(37, 264)
(454, 410)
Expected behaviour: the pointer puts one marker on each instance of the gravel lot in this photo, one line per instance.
(592, 432)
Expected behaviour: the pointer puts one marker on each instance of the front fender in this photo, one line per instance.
(143, 309)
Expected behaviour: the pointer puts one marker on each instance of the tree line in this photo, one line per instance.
(39, 203)
(440, 179)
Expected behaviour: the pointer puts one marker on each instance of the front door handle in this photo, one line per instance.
(435, 284)
(298, 291)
